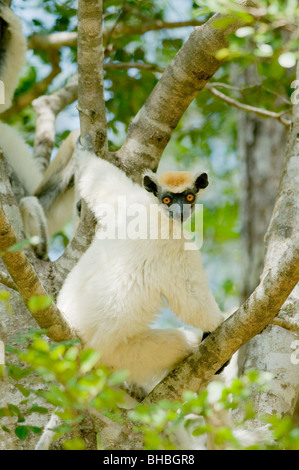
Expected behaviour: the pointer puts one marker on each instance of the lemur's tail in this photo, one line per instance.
(12, 54)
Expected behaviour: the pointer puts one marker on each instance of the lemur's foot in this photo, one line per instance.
(35, 224)
(84, 143)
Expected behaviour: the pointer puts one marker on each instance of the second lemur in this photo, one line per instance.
(113, 294)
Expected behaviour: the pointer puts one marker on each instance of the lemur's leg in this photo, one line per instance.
(56, 191)
(35, 224)
(51, 206)
(152, 354)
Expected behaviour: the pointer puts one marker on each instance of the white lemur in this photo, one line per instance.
(114, 292)
(46, 200)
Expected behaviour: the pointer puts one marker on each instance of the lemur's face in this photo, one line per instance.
(176, 191)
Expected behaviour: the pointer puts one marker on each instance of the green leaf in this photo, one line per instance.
(199, 430)
(89, 358)
(40, 345)
(37, 409)
(4, 295)
(23, 244)
(74, 444)
(72, 353)
(222, 54)
(4, 412)
(39, 302)
(224, 22)
(15, 411)
(4, 428)
(24, 391)
(22, 432)
(118, 377)
(57, 352)
(35, 429)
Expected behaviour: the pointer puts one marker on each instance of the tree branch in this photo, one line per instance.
(278, 282)
(28, 284)
(69, 39)
(91, 103)
(286, 323)
(282, 235)
(248, 108)
(92, 112)
(46, 108)
(249, 320)
(7, 281)
(151, 129)
(132, 65)
(24, 276)
(182, 80)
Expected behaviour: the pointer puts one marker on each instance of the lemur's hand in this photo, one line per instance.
(84, 143)
(35, 224)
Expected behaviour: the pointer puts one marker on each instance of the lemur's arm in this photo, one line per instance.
(190, 298)
(101, 183)
(56, 192)
(50, 208)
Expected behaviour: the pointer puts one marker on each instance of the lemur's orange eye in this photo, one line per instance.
(190, 197)
(166, 200)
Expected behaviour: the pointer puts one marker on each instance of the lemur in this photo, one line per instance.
(113, 294)
(45, 200)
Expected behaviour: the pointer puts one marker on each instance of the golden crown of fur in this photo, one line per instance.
(176, 181)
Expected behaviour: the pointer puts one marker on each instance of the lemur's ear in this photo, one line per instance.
(150, 184)
(201, 181)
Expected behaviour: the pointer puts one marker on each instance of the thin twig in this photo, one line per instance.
(46, 108)
(132, 65)
(69, 39)
(7, 281)
(39, 88)
(249, 108)
(287, 323)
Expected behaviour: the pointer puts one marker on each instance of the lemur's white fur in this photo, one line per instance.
(49, 197)
(14, 55)
(114, 292)
(17, 151)
(11, 64)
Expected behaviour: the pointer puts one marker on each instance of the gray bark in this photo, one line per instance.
(271, 351)
(261, 149)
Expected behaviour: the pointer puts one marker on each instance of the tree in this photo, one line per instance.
(190, 72)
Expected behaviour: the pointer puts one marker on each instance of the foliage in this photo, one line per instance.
(71, 381)
(160, 422)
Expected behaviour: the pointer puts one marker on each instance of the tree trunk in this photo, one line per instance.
(13, 324)
(262, 146)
